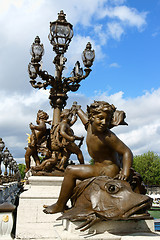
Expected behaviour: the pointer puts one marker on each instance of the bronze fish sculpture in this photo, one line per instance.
(104, 198)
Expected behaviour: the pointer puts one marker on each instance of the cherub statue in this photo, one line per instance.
(103, 146)
(67, 138)
(62, 143)
(38, 136)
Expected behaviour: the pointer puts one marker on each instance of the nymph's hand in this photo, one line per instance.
(78, 107)
(72, 139)
(31, 126)
(121, 175)
(82, 138)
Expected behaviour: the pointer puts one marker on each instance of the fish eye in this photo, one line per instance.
(111, 188)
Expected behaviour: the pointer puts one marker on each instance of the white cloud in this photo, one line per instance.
(22, 20)
(114, 65)
(143, 114)
(115, 30)
(141, 135)
(127, 16)
(101, 34)
(117, 2)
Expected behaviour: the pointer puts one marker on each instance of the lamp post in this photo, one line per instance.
(10, 159)
(6, 160)
(2, 145)
(61, 33)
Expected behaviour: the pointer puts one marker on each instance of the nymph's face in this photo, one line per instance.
(101, 121)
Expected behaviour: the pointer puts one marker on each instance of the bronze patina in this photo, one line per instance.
(112, 158)
(56, 153)
(102, 198)
(110, 188)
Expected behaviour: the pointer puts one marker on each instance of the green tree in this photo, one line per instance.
(148, 165)
(22, 167)
(91, 162)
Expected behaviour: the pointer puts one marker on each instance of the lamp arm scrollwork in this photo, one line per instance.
(38, 85)
(45, 76)
(77, 79)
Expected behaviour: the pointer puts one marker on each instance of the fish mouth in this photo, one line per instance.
(139, 211)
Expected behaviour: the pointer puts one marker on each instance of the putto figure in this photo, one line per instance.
(38, 136)
(104, 148)
(62, 143)
(67, 138)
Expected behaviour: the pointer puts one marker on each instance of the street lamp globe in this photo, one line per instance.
(6, 153)
(10, 157)
(2, 145)
(88, 55)
(61, 33)
(37, 50)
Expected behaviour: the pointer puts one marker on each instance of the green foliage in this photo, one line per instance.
(91, 162)
(41, 158)
(148, 165)
(22, 167)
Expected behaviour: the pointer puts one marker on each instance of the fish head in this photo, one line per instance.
(114, 199)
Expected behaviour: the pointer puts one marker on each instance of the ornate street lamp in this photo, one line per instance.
(61, 33)
(2, 145)
(88, 55)
(10, 159)
(6, 160)
(37, 50)
(13, 164)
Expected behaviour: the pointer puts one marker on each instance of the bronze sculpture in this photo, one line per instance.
(112, 169)
(66, 138)
(61, 144)
(103, 198)
(103, 146)
(61, 33)
(37, 138)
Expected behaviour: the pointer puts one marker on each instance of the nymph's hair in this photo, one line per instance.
(100, 106)
(42, 115)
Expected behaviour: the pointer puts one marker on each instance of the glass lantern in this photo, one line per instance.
(10, 158)
(88, 55)
(32, 71)
(6, 153)
(78, 69)
(37, 50)
(2, 145)
(61, 33)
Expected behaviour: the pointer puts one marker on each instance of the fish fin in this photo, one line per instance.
(79, 189)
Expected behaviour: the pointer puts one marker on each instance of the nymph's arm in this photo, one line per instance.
(40, 127)
(117, 145)
(83, 116)
(73, 121)
(63, 133)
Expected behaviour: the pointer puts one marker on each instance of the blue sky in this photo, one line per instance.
(126, 37)
(136, 55)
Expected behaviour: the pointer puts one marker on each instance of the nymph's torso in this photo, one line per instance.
(99, 146)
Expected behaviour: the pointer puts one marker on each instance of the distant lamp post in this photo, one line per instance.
(13, 163)
(10, 159)
(6, 160)
(2, 145)
(61, 33)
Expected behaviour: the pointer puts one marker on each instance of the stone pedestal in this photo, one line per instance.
(108, 230)
(32, 222)
(6, 220)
